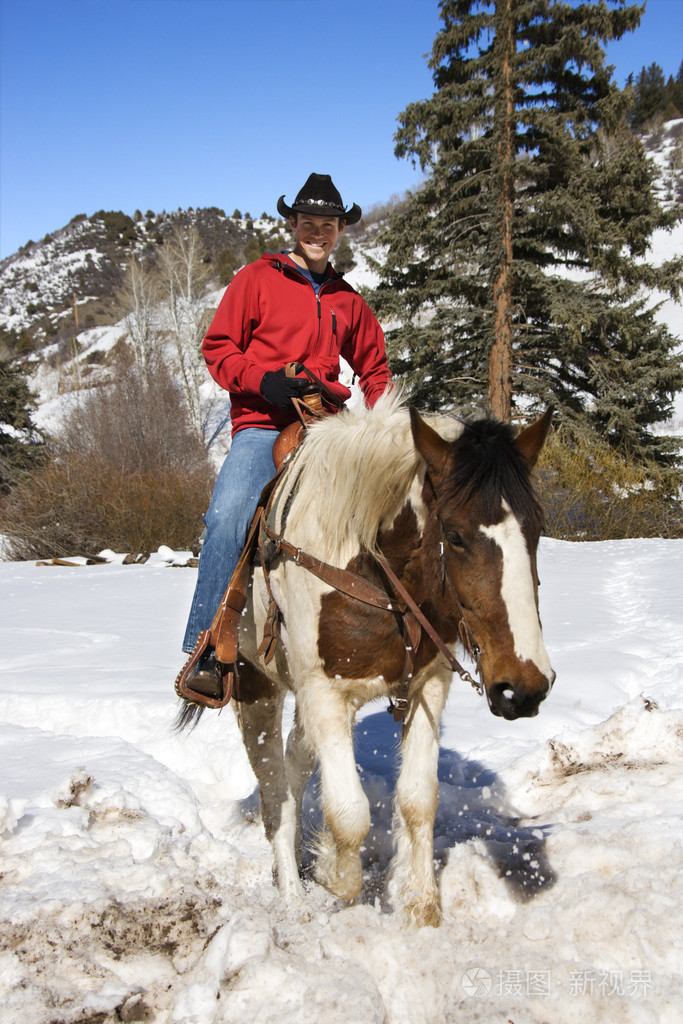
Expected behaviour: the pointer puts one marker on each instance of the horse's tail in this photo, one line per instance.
(188, 716)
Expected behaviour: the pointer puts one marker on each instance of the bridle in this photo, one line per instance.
(412, 608)
(466, 638)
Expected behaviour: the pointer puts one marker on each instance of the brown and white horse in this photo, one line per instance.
(452, 510)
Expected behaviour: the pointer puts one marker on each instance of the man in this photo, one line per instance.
(286, 307)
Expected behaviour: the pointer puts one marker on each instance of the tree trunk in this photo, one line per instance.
(500, 360)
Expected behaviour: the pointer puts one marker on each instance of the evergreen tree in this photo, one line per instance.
(21, 444)
(516, 274)
(648, 93)
(343, 256)
(677, 91)
(655, 100)
(226, 265)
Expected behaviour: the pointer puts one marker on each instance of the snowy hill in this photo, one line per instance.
(85, 262)
(58, 307)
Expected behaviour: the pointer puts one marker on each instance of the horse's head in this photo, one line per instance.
(482, 528)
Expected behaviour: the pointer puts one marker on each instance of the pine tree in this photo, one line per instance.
(343, 256)
(515, 276)
(648, 95)
(21, 444)
(226, 265)
(677, 91)
(654, 99)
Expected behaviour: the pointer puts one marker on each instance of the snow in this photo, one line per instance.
(363, 275)
(135, 878)
(52, 266)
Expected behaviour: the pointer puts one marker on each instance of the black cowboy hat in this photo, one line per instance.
(320, 197)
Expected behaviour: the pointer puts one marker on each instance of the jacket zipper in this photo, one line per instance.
(318, 343)
(284, 268)
(320, 323)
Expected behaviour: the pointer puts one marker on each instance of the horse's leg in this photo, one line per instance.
(300, 763)
(417, 796)
(327, 720)
(259, 713)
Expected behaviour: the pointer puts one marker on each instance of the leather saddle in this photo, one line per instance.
(222, 637)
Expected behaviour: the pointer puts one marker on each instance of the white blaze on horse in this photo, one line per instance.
(440, 517)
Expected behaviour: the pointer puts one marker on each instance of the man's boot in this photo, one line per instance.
(206, 676)
(203, 680)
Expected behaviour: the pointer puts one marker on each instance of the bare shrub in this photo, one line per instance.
(590, 491)
(137, 301)
(184, 278)
(377, 214)
(126, 472)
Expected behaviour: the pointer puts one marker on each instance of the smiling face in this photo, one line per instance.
(315, 239)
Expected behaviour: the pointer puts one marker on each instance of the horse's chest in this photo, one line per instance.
(358, 641)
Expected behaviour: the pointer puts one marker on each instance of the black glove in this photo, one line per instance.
(279, 390)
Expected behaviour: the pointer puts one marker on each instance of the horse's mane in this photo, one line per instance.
(487, 463)
(357, 470)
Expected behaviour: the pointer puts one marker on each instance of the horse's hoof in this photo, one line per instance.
(340, 873)
(424, 915)
(428, 917)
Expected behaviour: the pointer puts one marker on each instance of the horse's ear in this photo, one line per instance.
(431, 446)
(532, 438)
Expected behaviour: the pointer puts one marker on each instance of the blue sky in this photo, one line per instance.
(161, 104)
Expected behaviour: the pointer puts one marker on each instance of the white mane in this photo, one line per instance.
(357, 470)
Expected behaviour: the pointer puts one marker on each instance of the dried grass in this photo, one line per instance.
(591, 492)
(126, 472)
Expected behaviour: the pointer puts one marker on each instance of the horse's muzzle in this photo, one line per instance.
(509, 701)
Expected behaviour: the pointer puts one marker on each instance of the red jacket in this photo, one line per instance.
(269, 316)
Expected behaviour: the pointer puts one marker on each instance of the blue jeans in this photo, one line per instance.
(247, 468)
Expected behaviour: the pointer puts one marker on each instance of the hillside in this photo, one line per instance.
(58, 296)
(85, 263)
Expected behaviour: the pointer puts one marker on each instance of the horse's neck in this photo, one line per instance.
(357, 470)
(399, 540)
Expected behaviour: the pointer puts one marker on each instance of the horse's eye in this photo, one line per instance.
(455, 540)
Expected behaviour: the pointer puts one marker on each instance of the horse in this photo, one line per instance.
(445, 509)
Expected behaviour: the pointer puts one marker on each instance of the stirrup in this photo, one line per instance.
(183, 687)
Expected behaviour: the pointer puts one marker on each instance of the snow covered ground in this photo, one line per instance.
(135, 879)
